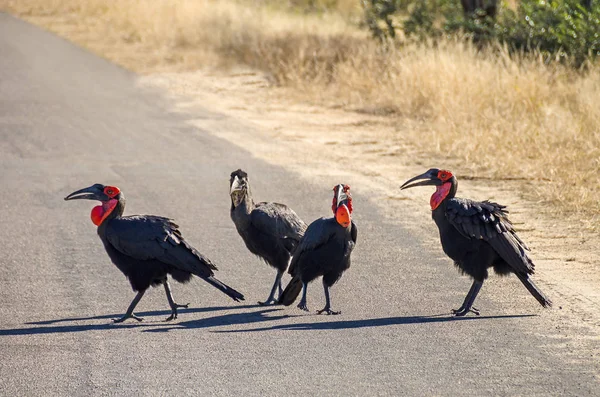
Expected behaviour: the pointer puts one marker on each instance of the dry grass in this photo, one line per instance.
(494, 116)
(488, 114)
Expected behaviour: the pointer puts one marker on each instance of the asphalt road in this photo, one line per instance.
(69, 119)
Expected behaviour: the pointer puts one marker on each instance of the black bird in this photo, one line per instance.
(324, 251)
(270, 230)
(146, 248)
(477, 236)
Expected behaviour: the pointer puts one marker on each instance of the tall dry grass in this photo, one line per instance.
(496, 116)
(491, 114)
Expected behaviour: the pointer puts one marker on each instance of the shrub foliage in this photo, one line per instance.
(558, 29)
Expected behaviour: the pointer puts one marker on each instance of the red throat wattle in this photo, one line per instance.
(100, 212)
(342, 215)
(440, 194)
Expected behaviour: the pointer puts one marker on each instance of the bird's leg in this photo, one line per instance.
(279, 286)
(467, 305)
(280, 289)
(271, 299)
(327, 308)
(302, 304)
(132, 306)
(172, 303)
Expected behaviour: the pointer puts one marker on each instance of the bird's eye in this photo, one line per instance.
(111, 191)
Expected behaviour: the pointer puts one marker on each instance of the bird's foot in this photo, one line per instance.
(173, 316)
(174, 308)
(270, 301)
(462, 311)
(302, 306)
(125, 317)
(328, 311)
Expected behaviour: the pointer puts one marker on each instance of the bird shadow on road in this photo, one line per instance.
(246, 317)
(41, 329)
(224, 320)
(146, 314)
(376, 322)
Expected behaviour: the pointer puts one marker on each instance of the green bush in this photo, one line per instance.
(421, 19)
(562, 29)
(558, 29)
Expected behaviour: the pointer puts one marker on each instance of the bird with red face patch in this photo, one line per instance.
(323, 251)
(476, 235)
(146, 248)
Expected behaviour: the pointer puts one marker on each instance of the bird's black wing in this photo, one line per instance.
(489, 221)
(318, 233)
(146, 237)
(279, 221)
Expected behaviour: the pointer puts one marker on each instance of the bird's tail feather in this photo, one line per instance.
(233, 294)
(534, 290)
(291, 292)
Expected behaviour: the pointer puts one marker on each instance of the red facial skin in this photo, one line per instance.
(342, 215)
(100, 212)
(444, 175)
(441, 191)
(440, 194)
(112, 191)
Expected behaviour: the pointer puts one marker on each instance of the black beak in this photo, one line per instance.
(427, 179)
(88, 193)
(341, 197)
(236, 185)
(238, 191)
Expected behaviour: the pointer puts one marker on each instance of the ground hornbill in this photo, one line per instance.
(477, 236)
(324, 251)
(146, 248)
(270, 230)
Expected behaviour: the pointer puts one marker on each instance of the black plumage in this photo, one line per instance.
(270, 230)
(147, 248)
(324, 251)
(477, 236)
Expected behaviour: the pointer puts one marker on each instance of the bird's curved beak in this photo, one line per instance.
(88, 193)
(237, 191)
(427, 179)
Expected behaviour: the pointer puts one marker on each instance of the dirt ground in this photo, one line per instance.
(314, 141)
